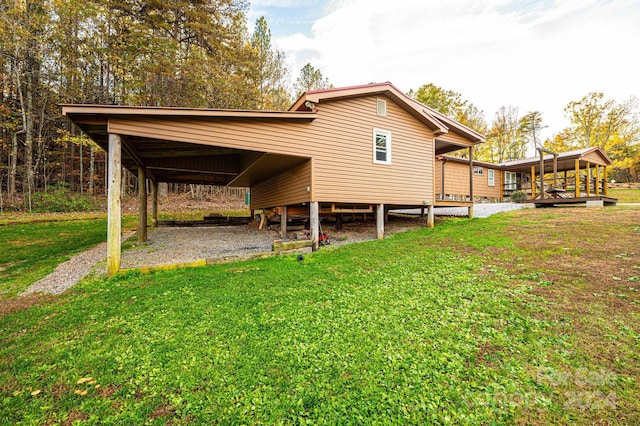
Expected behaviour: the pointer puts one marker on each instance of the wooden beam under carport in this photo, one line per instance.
(114, 211)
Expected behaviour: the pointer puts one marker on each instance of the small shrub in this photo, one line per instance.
(518, 196)
(59, 199)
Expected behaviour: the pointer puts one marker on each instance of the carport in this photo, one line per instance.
(195, 146)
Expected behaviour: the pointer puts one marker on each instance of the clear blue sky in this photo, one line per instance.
(531, 54)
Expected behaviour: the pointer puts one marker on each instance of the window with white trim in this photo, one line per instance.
(381, 105)
(381, 146)
(491, 177)
(509, 181)
(478, 170)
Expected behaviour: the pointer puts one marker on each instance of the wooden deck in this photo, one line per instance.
(587, 201)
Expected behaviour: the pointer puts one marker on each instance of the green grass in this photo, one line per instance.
(625, 195)
(31, 251)
(416, 329)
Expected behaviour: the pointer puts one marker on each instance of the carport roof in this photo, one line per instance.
(167, 160)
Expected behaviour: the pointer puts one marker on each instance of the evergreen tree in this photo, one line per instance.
(270, 70)
(310, 78)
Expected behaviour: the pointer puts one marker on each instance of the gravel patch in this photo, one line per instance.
(69, 273)
(170, 245)
(479, 210)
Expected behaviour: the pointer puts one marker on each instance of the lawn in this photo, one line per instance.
(528, 317)
(31, 248)
(30, 251)
(625, 195)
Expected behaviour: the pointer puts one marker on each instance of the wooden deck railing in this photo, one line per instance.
(588, 187)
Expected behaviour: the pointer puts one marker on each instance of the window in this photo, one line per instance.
(491, 177)
(478, 170)
(382, 107)
(510, 181)
(381, 146)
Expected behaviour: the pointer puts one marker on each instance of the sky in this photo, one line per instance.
(536, 55)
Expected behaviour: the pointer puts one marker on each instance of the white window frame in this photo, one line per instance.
(386, 149)
(510, 182)
(491, 177)
(477, 170)
(381, 107)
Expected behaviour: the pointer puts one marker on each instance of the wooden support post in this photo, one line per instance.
(314, 225)
(588, 183)
(114, 224)
(555, 171)
(597, 189)
(533, 182)
(380, 221)
(470, 211)
(443, 187)
(430, 219)
(542, 193)
(471, 174)
(283, 222)
(142, 205)
(577, 167)
(605, 184)
(565, 181)
(154, 204)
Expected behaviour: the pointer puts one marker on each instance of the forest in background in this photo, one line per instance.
(199, 53)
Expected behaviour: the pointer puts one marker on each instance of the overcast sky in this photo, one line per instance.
(536, 55)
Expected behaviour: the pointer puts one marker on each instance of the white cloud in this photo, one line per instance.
(536, 55)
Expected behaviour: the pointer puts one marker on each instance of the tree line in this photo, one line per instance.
(184, 53)
(197, 53)
(594, 121)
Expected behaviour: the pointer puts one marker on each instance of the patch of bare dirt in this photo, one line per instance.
(591, 253)
(590, 259)
(366, 230)
(75, 416)
(164, 410)
(14, 305)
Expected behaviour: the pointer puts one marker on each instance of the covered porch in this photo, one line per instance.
(572, 177)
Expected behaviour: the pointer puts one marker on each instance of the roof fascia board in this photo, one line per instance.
(75, 110)
(371, 90)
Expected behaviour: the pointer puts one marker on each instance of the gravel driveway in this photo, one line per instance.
(168, 245)
(479, 210)
(171, 245)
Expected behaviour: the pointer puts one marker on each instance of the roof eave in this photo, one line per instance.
(85, 109)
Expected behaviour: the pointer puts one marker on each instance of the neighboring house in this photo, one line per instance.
(364, 148)
(496, 182)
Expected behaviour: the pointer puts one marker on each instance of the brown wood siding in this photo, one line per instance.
(594, 158)
(346, 172)
(289, 187)
(457, 180)
(340, 141)
(455, 139)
